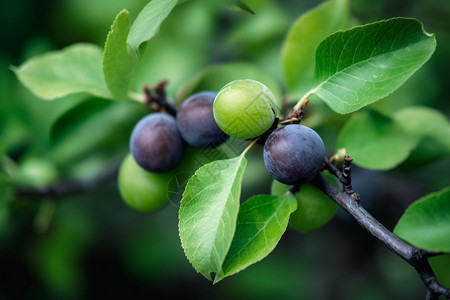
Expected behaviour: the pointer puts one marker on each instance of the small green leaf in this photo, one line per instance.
(148, 21)
(366, 63)
(426, 122)
(118, 63)
(208, 213)
(261, 222)
(245, 7)
(74, 69)
(302, 40)
(376, 141)
(426, 222)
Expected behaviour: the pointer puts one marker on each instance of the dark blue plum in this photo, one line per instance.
(195, 121)
(293, 154)
(156, 144)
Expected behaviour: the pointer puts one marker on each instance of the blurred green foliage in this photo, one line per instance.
(92, 245)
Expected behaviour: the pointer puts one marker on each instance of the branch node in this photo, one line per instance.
(296, 115)
(156, 98)
(346, 179)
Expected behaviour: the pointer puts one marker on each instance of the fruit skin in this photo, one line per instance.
(244, 108)
(141, 190)
(314, 207)
(293, 154)
(195, 121)
(156, 144)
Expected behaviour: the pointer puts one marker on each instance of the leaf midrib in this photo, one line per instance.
(219, 220)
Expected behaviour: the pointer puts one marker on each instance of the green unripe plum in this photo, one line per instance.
(142, 190)
(146, 191)
(314, 208)
(244, 108)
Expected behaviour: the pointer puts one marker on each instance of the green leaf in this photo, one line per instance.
(148, 21)
(245, 7)
(257, 37)
(86, 122)
(426, 222)
(261, 222)
(74, 69)
(66, 126)
(364, 64)
(426, 122)
(441, 267)
(208, 213)
(118, 63)
(154, 67)
(300, 46)
(376, 141)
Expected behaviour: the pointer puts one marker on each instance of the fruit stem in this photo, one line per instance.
(303, 101)
(137, 97)
(250, 145)
(289, 121)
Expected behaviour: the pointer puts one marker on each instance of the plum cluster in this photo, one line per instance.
(293, 154)
(158, 140)
(158, 144)
(245, 109)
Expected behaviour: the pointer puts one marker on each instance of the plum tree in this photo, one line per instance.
(293, 154)
(171, 155)
(156, 144)
(195, 121)
(244, 108)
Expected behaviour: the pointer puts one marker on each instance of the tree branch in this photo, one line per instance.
(67, 187)
(418, 258)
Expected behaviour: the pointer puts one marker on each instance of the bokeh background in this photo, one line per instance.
(91, 245)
